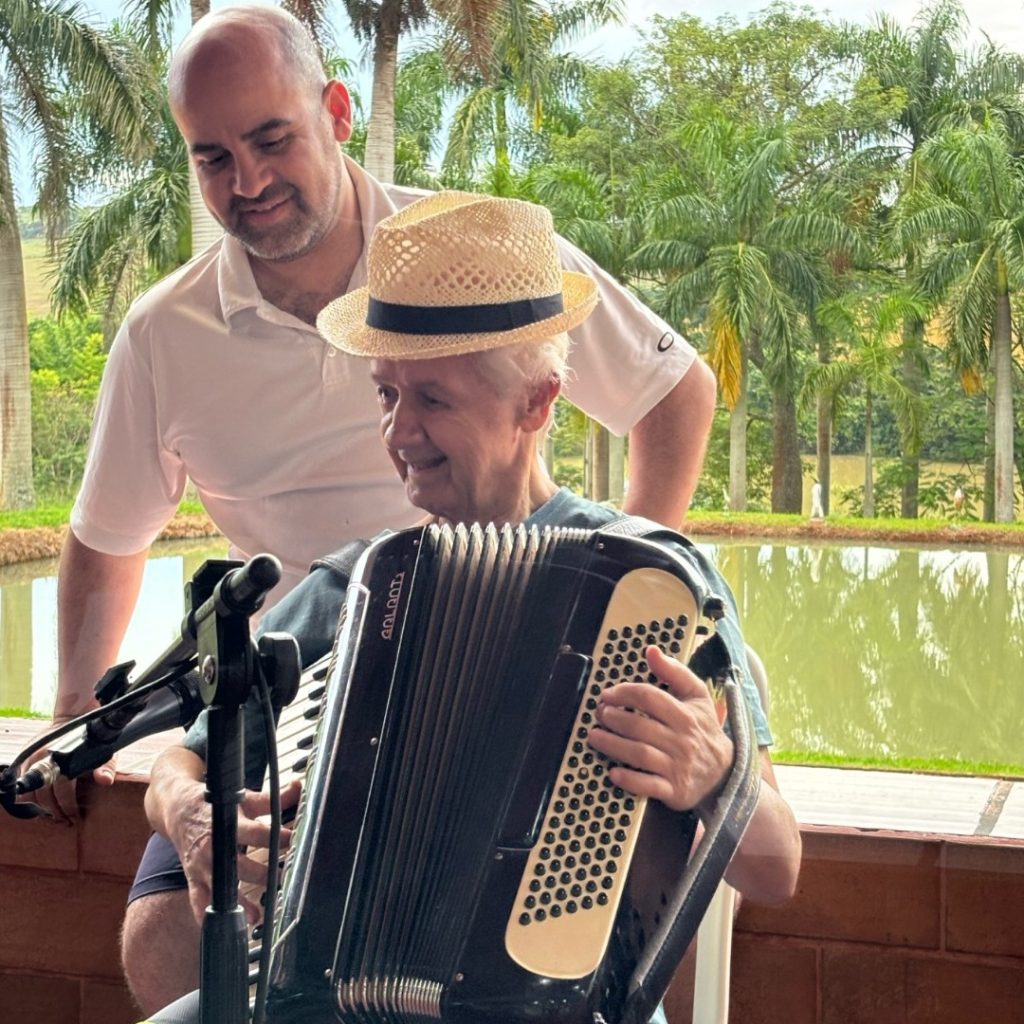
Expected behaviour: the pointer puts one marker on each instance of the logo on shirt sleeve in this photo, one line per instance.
(666, 341)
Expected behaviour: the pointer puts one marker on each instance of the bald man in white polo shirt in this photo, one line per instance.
(219, 375)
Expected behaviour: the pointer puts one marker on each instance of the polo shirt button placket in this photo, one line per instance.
(332, 370)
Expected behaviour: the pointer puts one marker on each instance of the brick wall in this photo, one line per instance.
(62, 893)
(886, 928)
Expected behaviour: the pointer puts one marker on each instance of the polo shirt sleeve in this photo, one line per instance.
(624, 358)
(132, 483)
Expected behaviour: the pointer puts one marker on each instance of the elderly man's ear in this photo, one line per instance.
(339, 106)
(539, 404)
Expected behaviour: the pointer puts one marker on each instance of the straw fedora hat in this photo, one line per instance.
(457, 272)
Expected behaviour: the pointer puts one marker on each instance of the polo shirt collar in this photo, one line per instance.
(237, 286)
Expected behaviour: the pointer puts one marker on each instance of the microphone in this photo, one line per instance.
(244, 588)
(175, 704)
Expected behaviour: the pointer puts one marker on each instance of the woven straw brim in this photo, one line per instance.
(343, 325)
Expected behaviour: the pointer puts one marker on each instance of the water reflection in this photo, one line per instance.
(28, 619)
(872, 651)
(887, 651)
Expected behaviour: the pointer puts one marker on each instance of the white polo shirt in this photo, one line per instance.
(278, 430)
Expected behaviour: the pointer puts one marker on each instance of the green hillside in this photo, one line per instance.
(37, 271)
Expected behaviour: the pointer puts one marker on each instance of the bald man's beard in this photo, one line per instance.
(297, 235)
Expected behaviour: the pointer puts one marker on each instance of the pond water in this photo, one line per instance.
(871, 651)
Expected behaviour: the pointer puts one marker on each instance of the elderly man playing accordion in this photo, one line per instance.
(463, 325)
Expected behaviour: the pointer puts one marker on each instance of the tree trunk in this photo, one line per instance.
(205, 228)
(738, 444)
(1002, 372)
(501, 155)
(988, 513)
(824, 450)
(824, 426)
(599, 470)
(616, 468)
(16, 487)
(913, 341)
(380, 132)
(869, 470)
(787, 469)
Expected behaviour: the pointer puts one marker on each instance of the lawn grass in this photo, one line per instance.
(58, 514)
(767, 521)
(927, 765)
(22, 713)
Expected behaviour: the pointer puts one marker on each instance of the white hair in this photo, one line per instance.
(523, 366)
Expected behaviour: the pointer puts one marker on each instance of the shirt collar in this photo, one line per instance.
(235, 281)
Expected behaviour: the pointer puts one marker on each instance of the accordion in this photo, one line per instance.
(460, 853)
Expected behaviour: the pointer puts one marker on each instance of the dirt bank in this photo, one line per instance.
(45, 541)
(953, 535)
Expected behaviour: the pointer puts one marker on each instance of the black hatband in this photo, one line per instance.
(482, 319)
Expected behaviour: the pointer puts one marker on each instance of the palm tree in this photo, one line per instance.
(967, 216)
(594, 212)
(867, 325)
(116, 249)
(730, 250)
(380, 23)
(418, 119)
(46, 50)
(524, 71)
(941, 89)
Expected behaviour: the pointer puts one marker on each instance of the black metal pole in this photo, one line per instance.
(224, 981)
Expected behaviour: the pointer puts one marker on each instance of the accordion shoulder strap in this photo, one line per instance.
(639, 526)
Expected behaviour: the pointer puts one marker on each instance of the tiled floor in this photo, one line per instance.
(948, 805)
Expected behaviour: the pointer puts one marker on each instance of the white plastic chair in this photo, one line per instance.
(714, 936)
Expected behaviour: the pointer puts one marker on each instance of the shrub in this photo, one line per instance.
(67, 360)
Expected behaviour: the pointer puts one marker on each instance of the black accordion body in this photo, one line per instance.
(461, 854)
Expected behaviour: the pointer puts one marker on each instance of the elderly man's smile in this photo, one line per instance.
(426, 465)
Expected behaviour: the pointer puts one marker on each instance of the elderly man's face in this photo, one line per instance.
(457, 443)
(265, 152)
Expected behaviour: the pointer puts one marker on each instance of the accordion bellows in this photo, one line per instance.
(461, 853)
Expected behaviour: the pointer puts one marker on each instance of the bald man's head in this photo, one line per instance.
(266, 40)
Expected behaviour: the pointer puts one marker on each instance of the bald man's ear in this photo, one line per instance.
(339, 106)
(539, 404)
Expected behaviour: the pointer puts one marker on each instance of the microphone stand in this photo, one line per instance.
(215, 636)
(224, 655)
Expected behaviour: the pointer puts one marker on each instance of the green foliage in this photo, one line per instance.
(569, 431)
(67, 360)
(71, 348)
(889, 480)
(568, 474)
(938, 497)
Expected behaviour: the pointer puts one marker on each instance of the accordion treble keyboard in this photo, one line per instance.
(295, 734)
